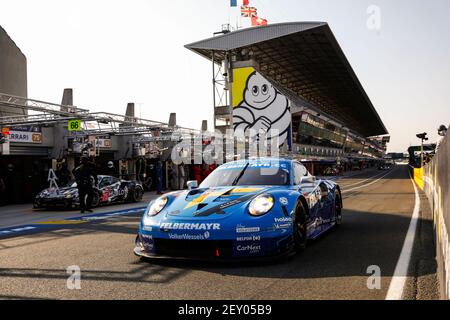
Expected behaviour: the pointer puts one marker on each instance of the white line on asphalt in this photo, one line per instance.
(356, 183)
(366, 185)
(398, 281)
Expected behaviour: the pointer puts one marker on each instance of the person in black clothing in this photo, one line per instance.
(63, 174)
(110, 170)
(84, 174)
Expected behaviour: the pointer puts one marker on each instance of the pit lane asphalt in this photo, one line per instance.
(376, 219)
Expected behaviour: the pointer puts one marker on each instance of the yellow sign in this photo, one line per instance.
(240, 78)
(74, 125)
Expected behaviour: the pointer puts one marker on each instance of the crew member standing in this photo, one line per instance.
(110, 170)
(84, 174)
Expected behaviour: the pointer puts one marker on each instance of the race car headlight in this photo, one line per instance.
(261, 205)
(157, 206)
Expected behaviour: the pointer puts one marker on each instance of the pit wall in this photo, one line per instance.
(434, 180)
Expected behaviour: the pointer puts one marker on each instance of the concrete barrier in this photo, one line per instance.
(434, 180)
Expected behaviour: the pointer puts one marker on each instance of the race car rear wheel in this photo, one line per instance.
(300, 235)
(338, 209)
(138, 194)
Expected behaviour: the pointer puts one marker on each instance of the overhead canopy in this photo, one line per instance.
(304, 60)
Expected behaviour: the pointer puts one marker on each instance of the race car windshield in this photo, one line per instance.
(248, 177)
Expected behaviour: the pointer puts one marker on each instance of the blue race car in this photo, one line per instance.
(244, 209)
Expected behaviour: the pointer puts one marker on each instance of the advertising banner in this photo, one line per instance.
(25, 134)
(259, 106)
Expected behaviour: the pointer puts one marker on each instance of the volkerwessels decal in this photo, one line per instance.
(242, 229)
(189, 226)
(185, 236)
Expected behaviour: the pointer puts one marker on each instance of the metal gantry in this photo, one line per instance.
(95, 123)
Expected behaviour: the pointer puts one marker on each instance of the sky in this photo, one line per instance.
(113, 52)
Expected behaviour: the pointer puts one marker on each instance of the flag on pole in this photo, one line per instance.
(235, 3)
(257, 21)
(248, 11)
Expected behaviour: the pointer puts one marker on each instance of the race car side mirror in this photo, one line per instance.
(308, 179)
(192, 184)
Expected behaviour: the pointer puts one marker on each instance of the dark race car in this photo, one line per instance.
(110, 190)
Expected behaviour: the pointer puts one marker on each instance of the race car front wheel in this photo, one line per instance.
(300, 235)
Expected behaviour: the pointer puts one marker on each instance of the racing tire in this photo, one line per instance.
(95, 200)
(338, 209)
(300, 228)
(137, 195)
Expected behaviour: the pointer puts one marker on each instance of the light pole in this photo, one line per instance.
(422, 137)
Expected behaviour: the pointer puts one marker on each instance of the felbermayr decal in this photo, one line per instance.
(189, 226)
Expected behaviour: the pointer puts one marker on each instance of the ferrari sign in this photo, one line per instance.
(25, 134)
(74, 125)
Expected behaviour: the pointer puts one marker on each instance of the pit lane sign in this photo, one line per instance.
(74, 125)
(25, 134)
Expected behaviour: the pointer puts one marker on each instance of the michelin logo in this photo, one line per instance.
(263, 109)
(186, 236)
(189, 226)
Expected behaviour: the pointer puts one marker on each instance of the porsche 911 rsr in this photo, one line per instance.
(244, 209)
(110, 190)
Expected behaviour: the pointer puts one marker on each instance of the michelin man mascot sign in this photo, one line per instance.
(258, 107)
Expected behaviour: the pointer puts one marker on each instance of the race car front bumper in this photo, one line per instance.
(249, 247)
(61, 202)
